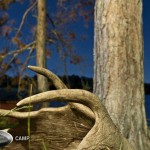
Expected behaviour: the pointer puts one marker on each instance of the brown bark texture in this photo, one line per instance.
(40, 45)
(118, 67)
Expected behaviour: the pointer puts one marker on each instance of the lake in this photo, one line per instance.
(147, 107)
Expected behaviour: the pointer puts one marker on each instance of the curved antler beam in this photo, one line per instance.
(60, 85)
(104, 129)
(66, 95)
(69, 95)
(103, 135)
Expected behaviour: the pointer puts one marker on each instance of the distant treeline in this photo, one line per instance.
(72, 81)
(15, 88)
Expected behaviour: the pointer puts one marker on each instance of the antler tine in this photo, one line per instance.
(32, 114)
(54, 79)
(65, 95)
(9, 113)
(60, 85)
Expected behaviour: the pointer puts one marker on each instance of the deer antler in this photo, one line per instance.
(60, 85)
(104, 129)
(103, 135)
(70, 95)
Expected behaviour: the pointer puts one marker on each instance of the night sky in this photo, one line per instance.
(146, 33)
(84, 47)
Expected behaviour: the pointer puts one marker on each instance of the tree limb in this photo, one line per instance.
(24, 16)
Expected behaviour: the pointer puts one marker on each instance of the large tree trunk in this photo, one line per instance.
(118, 66)
(40, 45)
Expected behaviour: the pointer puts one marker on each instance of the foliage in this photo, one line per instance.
(20, 38)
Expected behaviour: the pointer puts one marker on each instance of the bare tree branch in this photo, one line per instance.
(21, 50)
(24, 16)
(11, 60)
(50, 20)
(27, 59)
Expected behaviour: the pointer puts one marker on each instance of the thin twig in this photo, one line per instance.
(15, 53)
(27, 59)
(21, 49)
(24, 16)
(12, 59)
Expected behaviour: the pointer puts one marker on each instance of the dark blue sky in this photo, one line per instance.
(85, 48)
(146, 33)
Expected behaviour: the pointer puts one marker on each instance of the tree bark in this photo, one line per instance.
(40, 45)
(118, 66)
